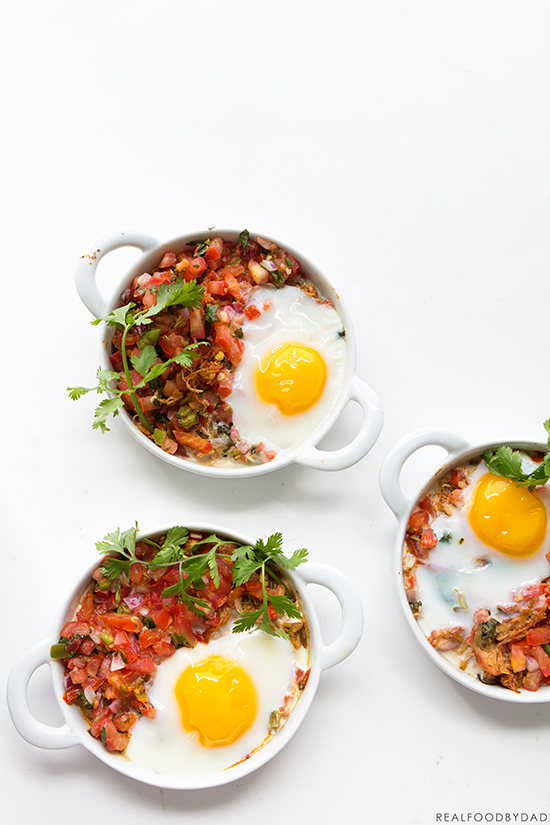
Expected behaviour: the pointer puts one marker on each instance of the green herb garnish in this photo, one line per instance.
(258, 561)
(508, 462)
(177, 293)
(244, 238)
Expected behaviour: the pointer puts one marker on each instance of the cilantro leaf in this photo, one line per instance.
(109, 406)
(180, 293)
(212, 313)
(143, 362)
(77, 392)
(244, 238)
(121, 316)
(508, 462)
(505, 462)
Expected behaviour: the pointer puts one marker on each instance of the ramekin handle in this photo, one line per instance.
(86, 270)
(390, 472)
(35, 732)
(350, 604)
(373, 418)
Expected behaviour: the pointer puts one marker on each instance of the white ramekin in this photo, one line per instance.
(459, 451)
(306, 452)
(75, 730)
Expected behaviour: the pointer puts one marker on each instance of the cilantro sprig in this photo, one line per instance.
(176, 293)
(508, 462)
(194, 562)
(260, 559)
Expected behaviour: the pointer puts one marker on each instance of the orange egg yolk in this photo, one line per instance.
(293, 378)
(217, 700)
(507, 517)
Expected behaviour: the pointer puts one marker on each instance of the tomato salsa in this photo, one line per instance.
(126, 625)
(486, 612)
(187, 410)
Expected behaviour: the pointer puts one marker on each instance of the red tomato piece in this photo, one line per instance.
(202, 445)
(538, 635)
(195, 268)
(123, 622)
(428, 539)
(215, 249)
(75, 629)
(162, 618)
(418, 520)
(252, 312)
(217, 287)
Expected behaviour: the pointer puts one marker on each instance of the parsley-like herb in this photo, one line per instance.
(201, 246)
(259, 559)
(507, 462)
(212, 313)
(244, 238)
(194, 562)
(177, 293)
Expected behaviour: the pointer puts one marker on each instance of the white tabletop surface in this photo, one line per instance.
(403, 147)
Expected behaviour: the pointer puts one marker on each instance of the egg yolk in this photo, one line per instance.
(217, 700)
(507, 517)
(293, 378)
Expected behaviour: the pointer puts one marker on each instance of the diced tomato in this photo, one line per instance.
(217, 287)
(169, 260)
(196, 324)
(79, 675)
(182, 623)
(123, 621)
(71, 694)
(233, 285)
(418, 520)
(543, 659)
(116, 360)
(143, 664)
(161, 278)
(426, 504)
(114, 739)
(150, 635)
(223, 384)
(518, 659)
(215, 249)
(86, 608)
(428, 539)
(75, 629)
(195, 268)
(252, 312)
(164, 648)
(87, 646)
(162, 618)
(172, 343)
(457, 478)
(533, 680)
(136, 572)
(201, 445)
(255, 589)
(538, 635)
(124, 721)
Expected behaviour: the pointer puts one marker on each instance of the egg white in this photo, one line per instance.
(454, 568)
(293, 316)
(163, 745)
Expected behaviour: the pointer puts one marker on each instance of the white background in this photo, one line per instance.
(404, 148)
